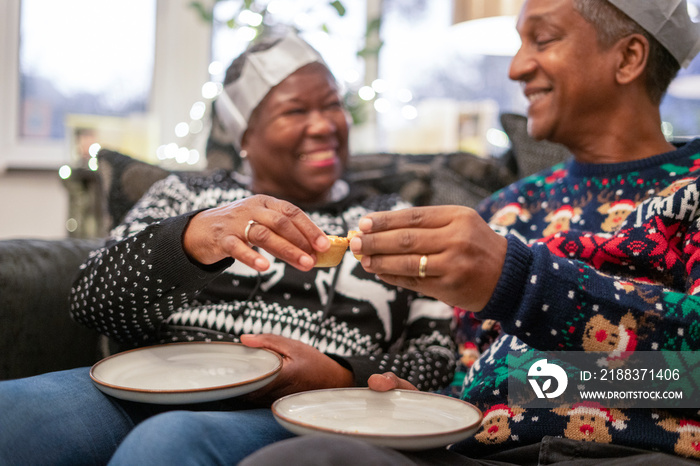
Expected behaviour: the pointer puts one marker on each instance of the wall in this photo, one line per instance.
(33, 204)
(464, 10)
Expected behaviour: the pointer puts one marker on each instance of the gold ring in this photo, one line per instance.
(247, 230)
(422, 265)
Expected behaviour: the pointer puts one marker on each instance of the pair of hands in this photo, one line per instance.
(464, 256)
(464, 262)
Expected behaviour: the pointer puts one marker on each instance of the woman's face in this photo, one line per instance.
(297, 138)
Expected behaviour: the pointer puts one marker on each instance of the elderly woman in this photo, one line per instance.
(231, 258)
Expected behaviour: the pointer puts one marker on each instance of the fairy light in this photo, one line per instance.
(497, 138)
(215, 68)
(198, 110)
(380, 86)
(404, 95)
(94, 149)
(64, 172)
(409, 112)
(71, 225)
(250, 18)
(182, 129)
(382, 105)
(210, 90)
(366, 93)
(196, 127)
(246, 33)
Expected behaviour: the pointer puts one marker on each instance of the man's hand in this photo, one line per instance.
(447, 252)
(388, 381)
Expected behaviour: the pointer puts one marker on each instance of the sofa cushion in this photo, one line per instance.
(38, 334)
(428, 179)
(124, 180)
(431, 179)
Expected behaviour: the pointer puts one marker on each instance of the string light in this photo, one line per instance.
(64, 172)
(380, 93)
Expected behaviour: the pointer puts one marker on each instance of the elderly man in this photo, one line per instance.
(620, 274)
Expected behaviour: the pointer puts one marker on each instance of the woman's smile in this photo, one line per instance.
(319, 158)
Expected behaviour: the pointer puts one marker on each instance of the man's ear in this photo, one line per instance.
(633, 57)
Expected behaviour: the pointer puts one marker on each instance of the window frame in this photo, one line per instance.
(180, 70)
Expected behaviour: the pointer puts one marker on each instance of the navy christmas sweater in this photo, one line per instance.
(601, 257)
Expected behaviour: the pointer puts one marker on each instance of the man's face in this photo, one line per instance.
(565, 76)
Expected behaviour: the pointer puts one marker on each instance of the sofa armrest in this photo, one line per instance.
(37, 334)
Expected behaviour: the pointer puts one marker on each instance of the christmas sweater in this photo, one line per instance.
(601, 257)
(141, 289)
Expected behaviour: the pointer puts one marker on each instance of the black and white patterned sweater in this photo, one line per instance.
(141, 289)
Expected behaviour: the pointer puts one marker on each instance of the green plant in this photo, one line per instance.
(259, 8)
(262, 18)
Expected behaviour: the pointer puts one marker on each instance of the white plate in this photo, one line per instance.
(186, 372)
(401, 419)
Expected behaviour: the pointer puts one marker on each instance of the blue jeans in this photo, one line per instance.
(61, 418)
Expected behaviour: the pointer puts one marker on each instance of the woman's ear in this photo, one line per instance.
(245, 139)
(633, 57)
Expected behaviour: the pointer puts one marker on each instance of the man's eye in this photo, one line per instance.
(543, 41)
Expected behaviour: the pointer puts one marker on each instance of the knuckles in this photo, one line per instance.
(280, 222)
(407, 240)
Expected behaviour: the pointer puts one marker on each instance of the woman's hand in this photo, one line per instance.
(303, 368)
(280, 228)
(463, 256)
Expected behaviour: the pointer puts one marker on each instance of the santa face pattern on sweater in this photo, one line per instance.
(142, 289)
(607, 256)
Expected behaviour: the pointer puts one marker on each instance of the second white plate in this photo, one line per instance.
(401, 419)
(178, 373)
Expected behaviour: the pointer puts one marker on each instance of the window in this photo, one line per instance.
(337, 38)
(456, 77)
(143, 58)
(98, 60)
(680, 109)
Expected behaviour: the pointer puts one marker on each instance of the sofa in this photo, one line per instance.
(37, 334)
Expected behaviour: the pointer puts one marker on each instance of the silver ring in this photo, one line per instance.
(422, 265)
(247, 230)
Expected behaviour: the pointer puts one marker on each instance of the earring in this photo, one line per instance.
(243, 153)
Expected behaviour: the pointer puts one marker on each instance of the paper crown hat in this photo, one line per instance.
(261, 71)
(667, 21)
